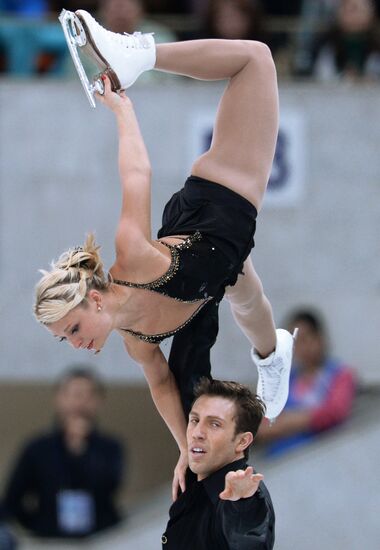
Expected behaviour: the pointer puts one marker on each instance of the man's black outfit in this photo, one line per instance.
(55, 493)
(200, 520)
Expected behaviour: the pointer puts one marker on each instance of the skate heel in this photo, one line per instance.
(98, 84)
(115, 82)
(89, 48)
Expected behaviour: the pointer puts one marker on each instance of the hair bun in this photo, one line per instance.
(66, 285)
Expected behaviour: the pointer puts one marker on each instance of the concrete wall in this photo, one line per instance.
(58, 180)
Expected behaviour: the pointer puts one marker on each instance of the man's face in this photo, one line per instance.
(211, 439)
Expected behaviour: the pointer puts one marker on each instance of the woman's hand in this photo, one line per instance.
(114, 101)
(179, 475)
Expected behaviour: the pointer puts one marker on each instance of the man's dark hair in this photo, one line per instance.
(250, 410)
(82, 371)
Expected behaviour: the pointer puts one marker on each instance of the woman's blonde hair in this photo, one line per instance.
(66, 285)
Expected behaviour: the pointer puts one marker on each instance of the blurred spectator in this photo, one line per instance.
(30, 43)
(321, 389)
(315, 15)
(63, 483)
(241, 19)
(232, 19)
(130, 16)
(350, 48)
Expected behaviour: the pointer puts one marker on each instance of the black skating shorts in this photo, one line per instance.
(222, 216)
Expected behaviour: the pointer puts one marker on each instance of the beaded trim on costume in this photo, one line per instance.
(157, 338)
(173, 268)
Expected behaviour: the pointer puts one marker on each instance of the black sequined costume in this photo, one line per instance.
(184, 280)
(221, 226)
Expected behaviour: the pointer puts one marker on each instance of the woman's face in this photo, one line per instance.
(84, 327)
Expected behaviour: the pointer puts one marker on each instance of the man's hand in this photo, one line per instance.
(179, 475)
(241, 484)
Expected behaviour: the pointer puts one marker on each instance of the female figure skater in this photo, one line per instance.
(172, 285)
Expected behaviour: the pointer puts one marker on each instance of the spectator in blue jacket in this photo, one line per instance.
(321, 388)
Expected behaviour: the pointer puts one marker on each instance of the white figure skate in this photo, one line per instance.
(76, 39)
(122, 57)
(274, 372)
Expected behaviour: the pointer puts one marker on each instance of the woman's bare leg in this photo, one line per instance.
(240, 157)
(242, 149)
(245, 132)
(252, 310)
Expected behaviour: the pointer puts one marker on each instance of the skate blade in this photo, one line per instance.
(76, 38)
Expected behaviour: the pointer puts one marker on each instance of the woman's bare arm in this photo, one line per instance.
(135, 174)
(166, 397)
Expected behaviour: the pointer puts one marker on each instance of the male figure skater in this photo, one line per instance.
(225, 506)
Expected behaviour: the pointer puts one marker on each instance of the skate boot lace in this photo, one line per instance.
(270, 377)
(135, 40)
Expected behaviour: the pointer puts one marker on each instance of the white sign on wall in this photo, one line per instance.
(288, 172)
